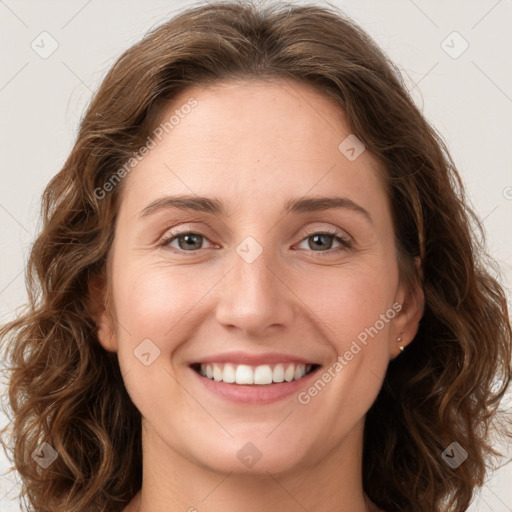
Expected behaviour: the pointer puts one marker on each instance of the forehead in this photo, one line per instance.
(252, 141)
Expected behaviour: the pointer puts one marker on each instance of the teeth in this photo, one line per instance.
(263, 375)
(259, 375)
(229, 374)
(217, 372)
(278, 373)
(289, 373)
(300, 371)
(244, 374)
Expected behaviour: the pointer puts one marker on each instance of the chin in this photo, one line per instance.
(258, 457)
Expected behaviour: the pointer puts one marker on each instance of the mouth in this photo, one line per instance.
(261, 375)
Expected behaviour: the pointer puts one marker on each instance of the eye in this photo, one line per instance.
(324, 240)
(188, 241)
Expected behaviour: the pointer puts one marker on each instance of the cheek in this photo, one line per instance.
(350, 300)
(353, 309)
(161, 302)
(151, 301)
(156, 299)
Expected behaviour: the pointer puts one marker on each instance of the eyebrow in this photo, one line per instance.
(213, 206)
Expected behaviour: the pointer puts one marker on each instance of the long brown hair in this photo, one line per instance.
(64, 389)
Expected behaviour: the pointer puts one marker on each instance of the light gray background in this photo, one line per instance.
(468, 99)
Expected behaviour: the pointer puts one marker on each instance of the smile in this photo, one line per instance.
(244, 374)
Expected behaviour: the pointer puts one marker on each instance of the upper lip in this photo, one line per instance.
(253, 359)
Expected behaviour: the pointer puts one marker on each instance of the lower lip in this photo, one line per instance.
(254, 393)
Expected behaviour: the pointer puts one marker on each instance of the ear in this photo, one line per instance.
(98, 305)
(406, 322)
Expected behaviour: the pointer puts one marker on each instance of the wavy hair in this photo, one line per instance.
(66, 390)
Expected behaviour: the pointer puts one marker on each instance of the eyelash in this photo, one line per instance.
(345, 242)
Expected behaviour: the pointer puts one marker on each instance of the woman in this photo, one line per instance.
(190, 345)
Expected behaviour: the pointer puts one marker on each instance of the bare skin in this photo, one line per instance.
(254, 146)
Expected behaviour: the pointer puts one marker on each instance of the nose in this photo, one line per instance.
(255, 297)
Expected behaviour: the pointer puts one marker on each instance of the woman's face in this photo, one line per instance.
(248, 286)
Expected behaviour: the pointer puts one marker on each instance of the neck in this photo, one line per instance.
(173, 483)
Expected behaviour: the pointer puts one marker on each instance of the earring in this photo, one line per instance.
(399, 339)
